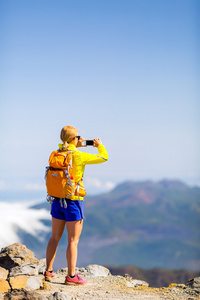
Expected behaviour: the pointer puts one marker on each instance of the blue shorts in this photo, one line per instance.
(73, 212)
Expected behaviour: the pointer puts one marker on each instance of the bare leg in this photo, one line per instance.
(58, 227)
(74, 229)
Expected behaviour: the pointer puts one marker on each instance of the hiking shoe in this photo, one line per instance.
(49, 275)
(75, 280)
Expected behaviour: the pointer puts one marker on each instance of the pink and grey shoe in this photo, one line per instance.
(75, 280)
(49, 275)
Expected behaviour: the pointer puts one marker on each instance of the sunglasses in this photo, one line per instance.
(78, 137)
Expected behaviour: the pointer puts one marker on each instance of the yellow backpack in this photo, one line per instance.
(59, 180)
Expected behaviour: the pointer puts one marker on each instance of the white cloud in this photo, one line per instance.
(14, 216)
(109, 185)
(94, 183)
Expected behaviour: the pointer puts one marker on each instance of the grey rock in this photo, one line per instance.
(63, 271)
(136, 283)
(15, 255)
(194, 283)
(178, 287)
(97, 270)
(60, 296)
(41, 266)
(24, 295)
(33, 283)
(24, 269)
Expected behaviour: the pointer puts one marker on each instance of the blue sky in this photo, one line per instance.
(125, 71)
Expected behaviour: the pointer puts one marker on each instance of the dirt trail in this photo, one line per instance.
(115, 287)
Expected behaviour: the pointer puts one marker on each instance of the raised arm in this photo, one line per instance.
(89, 159)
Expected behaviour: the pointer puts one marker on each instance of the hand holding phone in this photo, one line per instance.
(97, 142)
(81, 143)
(94, 142)
(88, 143)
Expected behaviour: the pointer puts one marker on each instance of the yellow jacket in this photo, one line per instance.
(80, 159)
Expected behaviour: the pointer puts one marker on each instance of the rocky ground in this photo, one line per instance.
(21, 278)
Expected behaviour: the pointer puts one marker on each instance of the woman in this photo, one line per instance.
(71, 214)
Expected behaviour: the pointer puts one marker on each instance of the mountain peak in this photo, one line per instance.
(166, 183)
(133, 193)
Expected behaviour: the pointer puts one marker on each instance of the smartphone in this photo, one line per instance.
(88, 143)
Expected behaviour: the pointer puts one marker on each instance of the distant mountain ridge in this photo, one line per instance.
(147, 192)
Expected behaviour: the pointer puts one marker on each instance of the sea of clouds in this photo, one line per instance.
(16, 213)
(20, 216)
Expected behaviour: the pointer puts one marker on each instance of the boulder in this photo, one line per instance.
(18, 282)
(97, 270)
(136, 283)
(24, 269)
(24, 295)
(60, 296)
(4, 286)
(33, 283)
(194, 283)
(3, 273)
(15, 255)
(176, 287)
(41, 266)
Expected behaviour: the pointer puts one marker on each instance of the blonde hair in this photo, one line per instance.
(67, 134)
